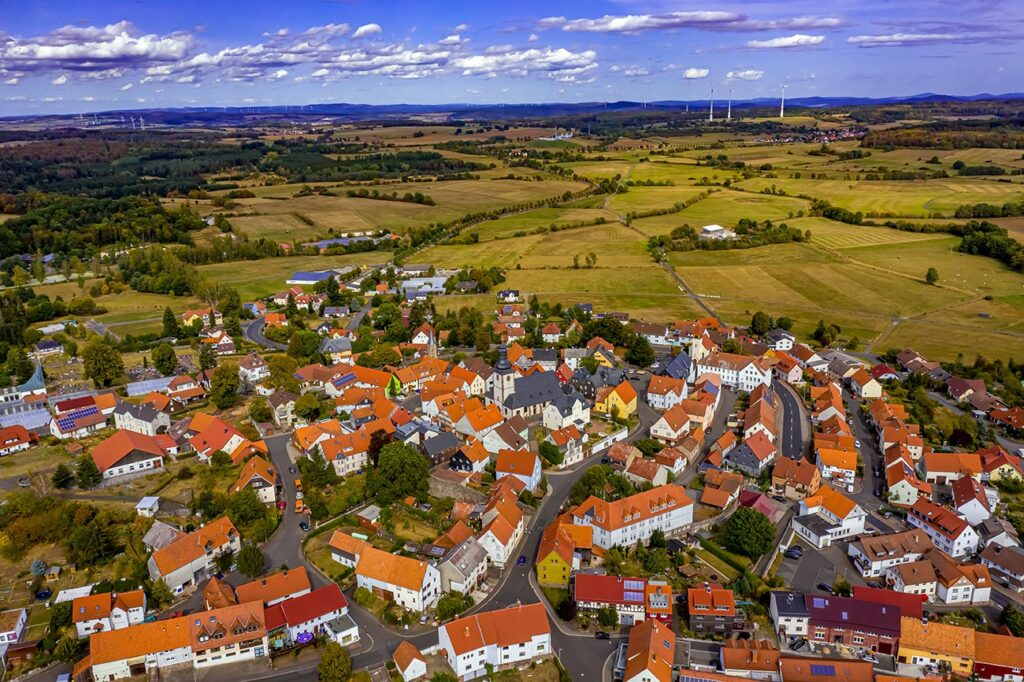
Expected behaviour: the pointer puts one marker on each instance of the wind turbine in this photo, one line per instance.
(711, 109)
(782, 102)
(728, 114)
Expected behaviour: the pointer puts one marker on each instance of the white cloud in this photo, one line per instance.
(320, 73)
(899, 39)
(559, 63)
(796, 40)
(454, 39)
(126, 87)
(59, 80)
(745, 75)
(635, 23)
(11, 81)
(88, 98)
(367, 30)
(694, 73)
(533, 38)
(461, 28)
(278, 75)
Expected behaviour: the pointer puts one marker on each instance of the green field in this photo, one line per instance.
(508, 226)
(255, 279)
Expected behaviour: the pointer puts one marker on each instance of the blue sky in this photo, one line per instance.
(63, 56)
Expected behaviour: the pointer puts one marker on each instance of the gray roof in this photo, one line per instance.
(466, 556)
(678, 367)
(279, 398)
(534, 389)
(36, 382)
(160, 535)
(564, 403)
(32, 417)
(445, 440)
(790, 604)
(741, 456)
(545, 355)
(816, 523)
(335, 345)
(143, 412)
(778, 334)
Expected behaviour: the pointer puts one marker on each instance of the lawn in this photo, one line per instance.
(613, 244)
(939, 341)
(510, 225)
(639, 199)
(727, 572)
(256, 279)
(503, 253)
(835, 235)
(411, 529)
(37, 462)
(726, 207)
(283, 227)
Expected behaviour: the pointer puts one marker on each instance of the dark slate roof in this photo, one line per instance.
(606, 376)
(844, 612)
(790, 604)
(445, 440)
(678, 367)
(537, 388)
(564, 402)
(279, 398)
(144, 412)
(36, 382)
(335, 345)
(741, 456)
(778, 334)
(545, 355)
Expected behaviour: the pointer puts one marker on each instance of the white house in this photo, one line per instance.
(190, 559)
(503, 528)
(780, 339)
(569, 442)
(409, 662)
(15, 438)
(228, 635)
(875, 555)
(632, 519)
(664, 392)
(828, 516)
(260, 475)
(120, 654)
(253, 368)
(12, 626)
(107, 611)
(127, 453)
(790, 614)
(412, 584)
(324, 611)
(949, 532)
(522, 464)
(672, 427)
(650, 654)
(499, 640)
(571, 408)
(741, 372)
(971, 500)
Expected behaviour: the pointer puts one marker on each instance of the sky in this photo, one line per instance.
(70, 56)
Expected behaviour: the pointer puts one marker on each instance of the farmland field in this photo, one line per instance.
(254, 279)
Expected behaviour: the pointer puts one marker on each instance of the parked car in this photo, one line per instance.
(602, 635)
(793, 553)
(424, 618)
(304, 526)
(887, 515)
(799, 644)
(521, 561)
(24, 482)
(824, 587)
(292, 470)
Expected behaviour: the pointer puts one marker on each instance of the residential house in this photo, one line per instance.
(664, 392)
(971, 501)
(632, 519)
(412, 584)
(780, 339)
(253, 368)
(946, 467)
(260, 475)
(1006, 564)
(276, 587)
(643, 471)
(228, 635)
(997, 658)
(523, 465)
(650, 653)
(15, 438)
(828, 516)
(503, 527)
(790, 614)
(78, 424)
(215, 434)
(751, 658)
(619, 401)
(127, 453)
(322, 612)
(282, 408)
(852, 623)
(795, 479)
(875, 555)
(495, 640)
(190, 559)
(931, 643)
(712, 610)
(721, 488)
(144, 648)
(203, 315)
(349, 452)
(864, 386)
(998, 531)
(634, 600)
(672, 427)
(753, 455)
(949, 532)
(107, 611)
(736, 371)
(551, 333)
(409, 662)
(569, 442)
(464, 568)
(838, 465)
(471, 457)
(142, 418)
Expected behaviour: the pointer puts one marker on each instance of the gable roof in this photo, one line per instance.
(501, 628)
(192, 546)
(632, 509)
(122, 444)
(391, 568)
(304, 608)
(256, 467)
(274, 586)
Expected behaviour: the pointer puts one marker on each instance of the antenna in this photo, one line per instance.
(782, 102)
(711, 109)
(728, 114)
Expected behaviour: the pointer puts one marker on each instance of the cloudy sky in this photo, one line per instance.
(71, 56)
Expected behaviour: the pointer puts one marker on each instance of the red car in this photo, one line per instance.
(281, 504)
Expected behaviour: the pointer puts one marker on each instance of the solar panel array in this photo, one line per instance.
(633, 584)
(823, 670)
(67, 421)
(633, 596)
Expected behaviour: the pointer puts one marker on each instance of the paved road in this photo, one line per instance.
(794, 422)
(688, 291)
(254, 332)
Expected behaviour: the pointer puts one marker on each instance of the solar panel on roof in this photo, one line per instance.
(825, 670)
(633, 596)
(633, 584)
(819, 603)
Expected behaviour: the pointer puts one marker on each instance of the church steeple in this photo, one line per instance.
(504, 377)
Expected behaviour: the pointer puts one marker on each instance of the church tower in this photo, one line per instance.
(504, 377)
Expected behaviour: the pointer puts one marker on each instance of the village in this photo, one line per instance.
(632, 500)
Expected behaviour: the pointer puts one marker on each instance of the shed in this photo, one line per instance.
(148, 506)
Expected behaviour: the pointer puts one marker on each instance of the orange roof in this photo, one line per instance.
(159, 401)
(518, 462)
(760, 445)
(455, 535)
(652, 648)
(105, 401)
(832, 500)
(956, 462)
(749, 654)
(346, 543)
(646, 469)
(662, 385)
(405, 654)
(502, 628)
(556, 539)
(501, 529)
(561, 437)
(90, 607)
(711, 598)
(256, 467)
(633, 509)
(936, 637)
(391, 568)
(346, 445)
(715, 497)
(838, 459)
(139, 640)
(799, 471)
(218, 594)
(998, 649)
(190, 547)
(797, 669)
(226, 626)
(485, 417)
(275, 586)
(306, 436)
(676, 418)
(122, 444)
(474, 450)
(626, 392)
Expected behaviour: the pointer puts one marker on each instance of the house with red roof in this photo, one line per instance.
(15, 438)
(949, 532)
(128, 453)
(499, 639)
(633, 599)
(320, 613)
